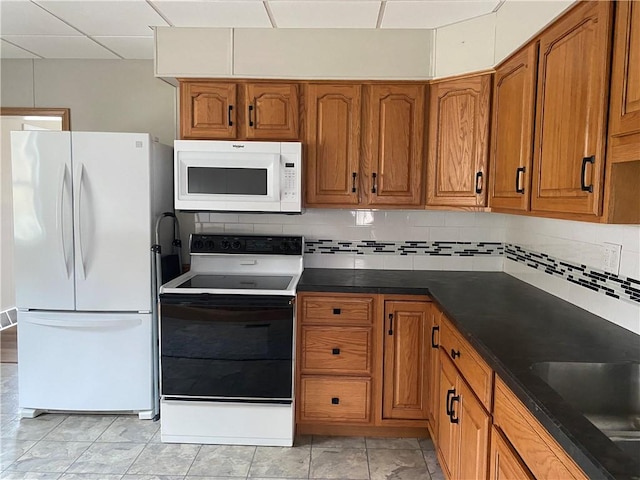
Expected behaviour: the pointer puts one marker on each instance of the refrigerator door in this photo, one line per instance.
(43, 220)
(85, 362)
(112, 237)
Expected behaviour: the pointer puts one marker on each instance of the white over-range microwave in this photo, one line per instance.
(224, 176)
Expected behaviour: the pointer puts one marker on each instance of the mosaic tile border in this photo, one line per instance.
(615, 286)
(618, 287)
(409, 247)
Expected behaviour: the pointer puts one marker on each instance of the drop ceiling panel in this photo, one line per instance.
(433, 14)
(8, 50)
(112, 18)
(325, 14)
(131, 48)
(238, 13)
(26, 18)
(61, 47)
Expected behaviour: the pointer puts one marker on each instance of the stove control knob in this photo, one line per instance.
(198, 244)
(235, 245)
(209, 244)
(225, 244)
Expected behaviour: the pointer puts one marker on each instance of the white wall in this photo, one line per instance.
(103, 95)
(485, 41)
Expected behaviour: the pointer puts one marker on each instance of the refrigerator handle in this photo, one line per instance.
(83, 274)
(60, 219)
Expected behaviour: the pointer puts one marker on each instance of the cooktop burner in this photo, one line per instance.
(249, 282)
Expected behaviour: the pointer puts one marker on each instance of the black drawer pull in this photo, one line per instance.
(353, 179)
(374, 186)
(455, 353)
(447, 404)
(251, 124)
(479, 183)
(335, 401)
(335, 351)
(391, 324)
(229, 115)
(434, 329)
(336, 311)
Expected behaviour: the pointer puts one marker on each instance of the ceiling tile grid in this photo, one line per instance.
(124, 28)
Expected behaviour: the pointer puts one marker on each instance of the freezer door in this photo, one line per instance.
(85, 362)
(112, 235)
(43, 220)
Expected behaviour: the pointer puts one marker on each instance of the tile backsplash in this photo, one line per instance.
(439, 240)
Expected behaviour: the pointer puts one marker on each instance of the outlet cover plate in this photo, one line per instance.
(611, 258)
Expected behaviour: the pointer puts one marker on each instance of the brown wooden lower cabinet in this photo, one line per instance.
(335, 399)
(463, 427)
(504, 462)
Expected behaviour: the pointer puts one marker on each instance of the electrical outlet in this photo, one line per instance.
(611, 258)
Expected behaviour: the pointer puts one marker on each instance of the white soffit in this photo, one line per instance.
(130, 48)
(433, 14)
(112, 18)
(7, 50)
(214, 14)
(21, 17)
(325, 14)
(61, 47)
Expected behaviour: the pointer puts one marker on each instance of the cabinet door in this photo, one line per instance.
(394, 136)
(473, 423)
(448, 437)
(406, 337)
(434, 369)
(271, 111)
(514, 96)
(570, 114)
(624, 116)
(333, 144)
(458, 141)
(208, 110)
(505, 463)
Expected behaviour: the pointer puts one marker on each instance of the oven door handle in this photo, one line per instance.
(221, 300)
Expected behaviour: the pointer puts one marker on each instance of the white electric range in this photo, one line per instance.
(227, 342)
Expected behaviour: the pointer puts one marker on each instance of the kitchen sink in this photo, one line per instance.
(607, 394)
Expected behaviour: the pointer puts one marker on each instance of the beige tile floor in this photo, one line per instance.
(121, 447)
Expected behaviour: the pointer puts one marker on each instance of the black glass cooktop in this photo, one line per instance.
(249, 282)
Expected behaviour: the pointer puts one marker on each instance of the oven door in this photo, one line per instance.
(226, 347)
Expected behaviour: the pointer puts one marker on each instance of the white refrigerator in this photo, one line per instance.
(85, 205)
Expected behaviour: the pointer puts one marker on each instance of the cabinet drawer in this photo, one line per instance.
(337, 350)
(539, 451)
(337, 309)
(473, 368)
(335, 399)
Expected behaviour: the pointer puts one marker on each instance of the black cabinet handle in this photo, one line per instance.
(479, 182)
(374, 187)
(336, 311)
(452, 418)
(391, 324)
(455, 353)
(250, 111)
(335, 351)
(519, 170)
(335, 401)
(434, 329)
(583, 171)
(447, 404)
(229, 115)
(353, 180)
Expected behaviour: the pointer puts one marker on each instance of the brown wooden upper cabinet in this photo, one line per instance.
(573, 78)
(459, 113)
(624, 114)
(215, 110)
(393, 127)
(364, 145)
(514, 99)
(332, 144)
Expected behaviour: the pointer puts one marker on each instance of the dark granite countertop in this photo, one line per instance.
(514, 325)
